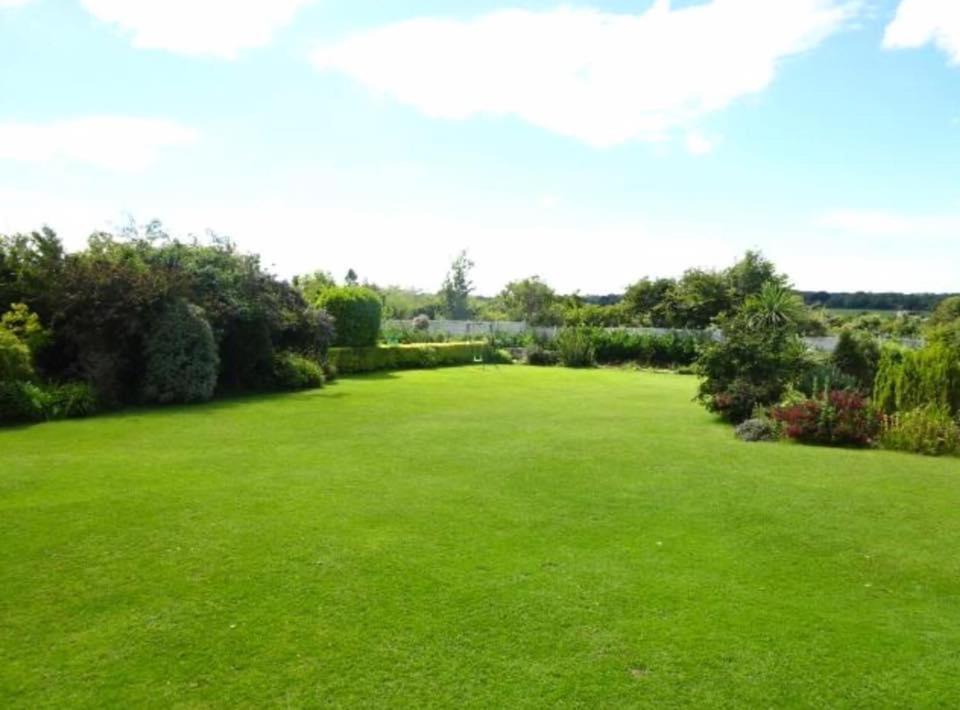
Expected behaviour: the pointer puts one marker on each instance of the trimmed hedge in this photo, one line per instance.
(411, 357)
(356, 313)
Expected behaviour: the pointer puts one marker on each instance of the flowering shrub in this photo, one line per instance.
(838, 417)
(756, 430)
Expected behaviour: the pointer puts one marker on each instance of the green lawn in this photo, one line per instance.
(499, 537)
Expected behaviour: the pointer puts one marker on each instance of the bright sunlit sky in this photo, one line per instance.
(590, 142)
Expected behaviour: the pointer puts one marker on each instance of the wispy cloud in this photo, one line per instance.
(118, 143)
(603, 78)
(921, 22)
(216, 28)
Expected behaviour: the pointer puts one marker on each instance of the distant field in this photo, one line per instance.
(492, 538)
(860, 311)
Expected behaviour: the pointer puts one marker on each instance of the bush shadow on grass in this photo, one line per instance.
(222, 402)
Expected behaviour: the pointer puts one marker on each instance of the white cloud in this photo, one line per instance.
(603, 78)
(216, 28)
(699, 144)
(113, 142)
(921, 22)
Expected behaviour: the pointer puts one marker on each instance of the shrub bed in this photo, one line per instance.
(411, 357)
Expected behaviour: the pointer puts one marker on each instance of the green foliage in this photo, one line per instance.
(667, 350)
(541, 357)
(857, 355)
(751, 365)
(15, 360)
(22, 402)
(575, 347)
(597, 316)
(908, 379)
(646, 300)
(530, 300)
(407, 357)
(817, 376)
(753, 275)
(181, 356)
(946, 312)
(773, 307)
(312, 285)
(26, 325)
(292, 371)
(457, 287)
(68, 401)
(929, 430)
(356, 312)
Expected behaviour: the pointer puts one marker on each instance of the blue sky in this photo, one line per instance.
(591, 143)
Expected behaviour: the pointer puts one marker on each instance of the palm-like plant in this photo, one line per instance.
(775, 306)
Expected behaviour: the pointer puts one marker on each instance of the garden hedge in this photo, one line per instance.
(412, 357)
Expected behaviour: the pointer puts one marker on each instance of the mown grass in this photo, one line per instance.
(499, 537)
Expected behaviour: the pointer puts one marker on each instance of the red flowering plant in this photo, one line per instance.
(835, 418)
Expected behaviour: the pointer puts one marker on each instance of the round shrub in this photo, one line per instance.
(181, 356)
(356, 313)
(295, 372)
(537, 355)
(421, 322)
(756, 430)
(15, 360)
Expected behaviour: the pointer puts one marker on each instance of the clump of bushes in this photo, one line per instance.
(31, 402)
(356, 311)
(575, 347)
(182, 363)
(407, 357)
(760, 354)
(421, 322)
(621, 346)
(292, 371)
(539, 356)
(835, 418)
(928, 430)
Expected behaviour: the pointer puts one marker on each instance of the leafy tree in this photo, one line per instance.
(351, 278)
(757, 357)
(30, 267)
(646, 299)
(751, 274)
(457, 288)
(858, 355)
(312, 285)
(698, 298)
(530, 300)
